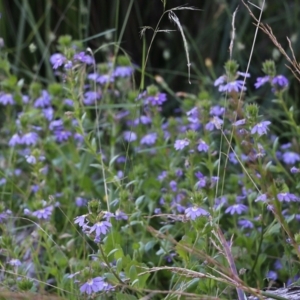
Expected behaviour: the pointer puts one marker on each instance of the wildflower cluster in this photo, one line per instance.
(114, 191)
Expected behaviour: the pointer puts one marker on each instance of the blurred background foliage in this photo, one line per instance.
(99, 22)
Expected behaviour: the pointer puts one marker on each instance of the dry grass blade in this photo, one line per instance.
(295, 68)
(233, 33)
(185, 8)
(186, 295)
(175, 19)
(144, 28)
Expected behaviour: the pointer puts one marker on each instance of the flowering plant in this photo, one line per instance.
(110, 197)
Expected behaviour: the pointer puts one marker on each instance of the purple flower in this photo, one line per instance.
(214, 179)
(199, 175)
(6, 99)
(236, 209)
(108, 215)
(220, 80)
(35, 188)
(156, 100)
(84, 58)
(17, 172)
(162, 176)
(105, 78)
(201, 183)
(173, 185)
(121, 114)
(157, 211)
(169, 257)
(220, 202)
(62, 135)
(120, 215)
(145, 120)
(29, 138)
(123, 71)
(272, 275)
(15, 262)
(31, 159)
(167, 135)
(287, 197)
(79, 201)
(80, 220)
(232, 158)
(290, 158)
(261, 128)
(193, 115)
(93, 76)
(181, 144)
(43, 101)
(262, 198)
(215, 122)
(217, 110)
(277, 264)
(245, 224)
(239, 122)
(48, 113)
(121, 159)
(57, 60)
(4, 215)
(286, 146)
(120, 174)
(202, 146)
(294, 170)
(15, 140)
(25, 99)
(142, 119)
(129, 136)
(233, 86)
(68, 65)
(93, 285)
(195, 212)
(244, 74)
(100, 228)
(56, 125)
(149, 139)
(280, 81)
(43, 213)
(79, 138)
(69, 102)
(179, 172)
(261, 81)
(91, 97)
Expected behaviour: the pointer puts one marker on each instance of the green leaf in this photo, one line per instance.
(181, 251)
(111, 278)
(61, 259)
(273, 229)
(132, 273)
(119, 253)
(142, 278)
(150, 245)
(192, 285)
(119, 265)
(97, 166)
(139, 200)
